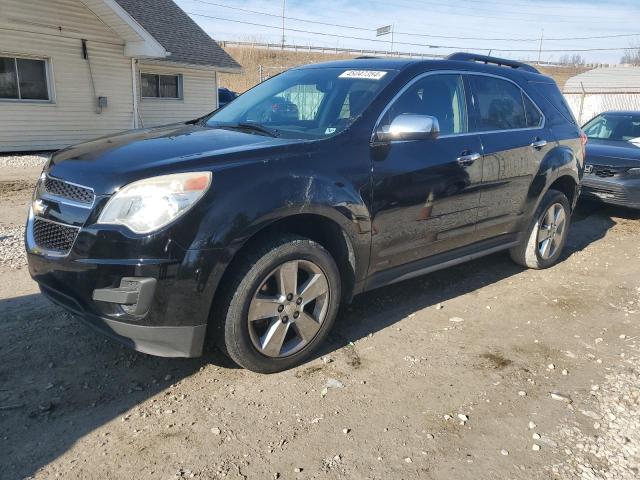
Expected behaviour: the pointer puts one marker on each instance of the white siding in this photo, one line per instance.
(30, 28)
(200, 96)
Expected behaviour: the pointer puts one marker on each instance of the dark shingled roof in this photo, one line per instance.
(178, 33)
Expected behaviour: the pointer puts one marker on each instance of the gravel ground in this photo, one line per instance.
(23, 161)
(482, 371)
(12, 253)
(610, 449)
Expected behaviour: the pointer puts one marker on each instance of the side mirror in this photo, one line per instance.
(409, 127)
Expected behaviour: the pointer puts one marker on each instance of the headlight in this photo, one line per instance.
(634, 171)
(148, 205)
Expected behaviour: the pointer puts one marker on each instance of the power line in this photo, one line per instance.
(267, 14)
(456, 47)
(415, 34)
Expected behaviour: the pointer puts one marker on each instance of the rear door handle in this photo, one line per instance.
(466, 160)
(537, 144)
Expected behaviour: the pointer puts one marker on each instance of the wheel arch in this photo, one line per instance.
(319, 228)
(568, 185)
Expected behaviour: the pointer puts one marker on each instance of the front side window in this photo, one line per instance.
(440, 96)
(160, 86)
(308, 103)
(498, 104)
(23, 79)
(620, 128)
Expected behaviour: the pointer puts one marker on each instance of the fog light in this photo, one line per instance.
(134, 295)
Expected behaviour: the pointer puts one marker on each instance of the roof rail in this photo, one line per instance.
(473, 57)
(367, 57)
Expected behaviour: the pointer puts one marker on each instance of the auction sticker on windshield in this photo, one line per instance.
(363, 74)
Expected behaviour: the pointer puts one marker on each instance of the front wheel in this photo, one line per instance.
(280, 304)
(547, 234)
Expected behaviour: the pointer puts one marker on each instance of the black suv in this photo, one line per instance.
(254, 223)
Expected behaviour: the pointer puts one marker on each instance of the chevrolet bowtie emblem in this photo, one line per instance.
(39, 208)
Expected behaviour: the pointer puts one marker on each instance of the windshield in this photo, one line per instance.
(624, 128)
(309, 103)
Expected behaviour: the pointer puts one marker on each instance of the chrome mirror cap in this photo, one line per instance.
(409, 126)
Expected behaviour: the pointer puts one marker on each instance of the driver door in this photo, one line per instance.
(425, 192)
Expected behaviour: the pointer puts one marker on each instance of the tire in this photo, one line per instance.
(532, 253)
(257, 287)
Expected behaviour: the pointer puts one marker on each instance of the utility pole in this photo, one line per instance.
(283, 10)
(540, 49)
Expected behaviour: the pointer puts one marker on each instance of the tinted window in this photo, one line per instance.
(534, 118)
(498, 104)
(552, 93)
(440, 96)
(24, 79)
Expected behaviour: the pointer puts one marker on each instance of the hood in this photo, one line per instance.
(108, 163)
(613, 153)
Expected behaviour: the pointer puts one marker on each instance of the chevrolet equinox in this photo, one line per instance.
(250, 226)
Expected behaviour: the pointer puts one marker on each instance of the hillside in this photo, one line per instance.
(275, 61)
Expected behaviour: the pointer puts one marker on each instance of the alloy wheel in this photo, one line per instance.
(288, 308)
(551, 231)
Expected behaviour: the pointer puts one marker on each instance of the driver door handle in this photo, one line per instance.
(466, 160)
(539, 143)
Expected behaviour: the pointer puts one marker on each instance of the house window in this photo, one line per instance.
(161, 86)
(23, 79)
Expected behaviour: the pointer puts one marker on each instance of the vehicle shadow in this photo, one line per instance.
(59, 381)
(376, 310)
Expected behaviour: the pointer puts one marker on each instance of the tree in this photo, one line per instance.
(631, 56)
(574, 59)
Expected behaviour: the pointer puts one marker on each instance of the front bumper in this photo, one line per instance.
(186, 341)
(173, 322)
(625, 193)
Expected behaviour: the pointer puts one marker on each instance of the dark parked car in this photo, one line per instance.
(225, 96)
(612, 171)
(255, 233)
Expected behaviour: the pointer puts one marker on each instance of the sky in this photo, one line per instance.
(511, 29)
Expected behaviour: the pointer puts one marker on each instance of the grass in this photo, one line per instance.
(274, 61)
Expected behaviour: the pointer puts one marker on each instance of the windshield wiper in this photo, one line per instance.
(256, 127)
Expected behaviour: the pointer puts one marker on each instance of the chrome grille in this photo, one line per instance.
(54, 237)
(69, 191)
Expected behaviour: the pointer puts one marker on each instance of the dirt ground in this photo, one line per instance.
(482, 371)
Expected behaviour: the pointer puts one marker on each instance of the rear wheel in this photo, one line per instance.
(281, 302)
(547, 235)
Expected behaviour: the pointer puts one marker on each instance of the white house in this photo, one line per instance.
(602, 89)
(72, 70)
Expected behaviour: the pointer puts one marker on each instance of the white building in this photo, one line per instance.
(72, 70)
(602, 89)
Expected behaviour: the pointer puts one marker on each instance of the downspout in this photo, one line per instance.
(134, 83)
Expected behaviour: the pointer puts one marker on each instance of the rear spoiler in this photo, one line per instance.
(502, 62)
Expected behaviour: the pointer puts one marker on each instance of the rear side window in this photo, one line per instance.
(498, 104)
(552, 93)
(534, 118)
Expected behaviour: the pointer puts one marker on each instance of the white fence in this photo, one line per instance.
(587, 105)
